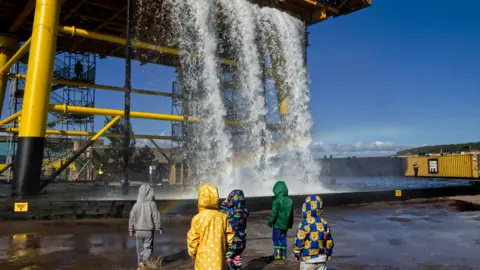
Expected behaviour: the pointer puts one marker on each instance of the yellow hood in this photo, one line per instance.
(207, 197)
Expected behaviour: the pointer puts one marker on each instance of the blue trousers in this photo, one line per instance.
(279, 238)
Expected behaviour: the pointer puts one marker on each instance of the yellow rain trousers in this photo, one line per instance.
(210, 233)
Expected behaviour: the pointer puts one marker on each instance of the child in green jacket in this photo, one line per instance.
(281, 219)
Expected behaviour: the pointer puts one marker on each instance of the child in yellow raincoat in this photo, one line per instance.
(210, 233)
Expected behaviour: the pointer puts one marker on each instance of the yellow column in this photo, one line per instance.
(36, 98)
(173, 174)
(181, 175)
(8, 46)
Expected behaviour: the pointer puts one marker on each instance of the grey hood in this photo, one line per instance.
(145, 193)
(144, 215)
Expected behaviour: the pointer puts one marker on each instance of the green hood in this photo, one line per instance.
(280, 189)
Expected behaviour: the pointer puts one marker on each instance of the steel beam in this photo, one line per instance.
(73, 133)
(79, 152)
(8, 46)
(17, 56)
(63, 108)
(109, 112)
(126, 109)
(23, 16)
(71, 30)
(98, 86)
(10, 119)
(26, 179)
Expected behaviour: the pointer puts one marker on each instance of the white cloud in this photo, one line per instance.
(377, 148)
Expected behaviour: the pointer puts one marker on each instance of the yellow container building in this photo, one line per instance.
(450, 166)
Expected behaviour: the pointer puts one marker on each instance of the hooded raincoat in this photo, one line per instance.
(210, 233)
(144, 215)
(313, 237)
(234, 207)
(282, 208)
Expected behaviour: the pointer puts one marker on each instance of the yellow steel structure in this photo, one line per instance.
(17, 56)
(121, 41)
(109, 112)
(10, 119)
(40, 69)
(73, 133)
(8, 46)
(144, 115)
(283, 106)
(447, 166)
(105, 39)
(98, 86)
(105, 128)
(31, 141)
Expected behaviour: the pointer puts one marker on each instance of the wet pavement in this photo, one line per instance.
(408, 235)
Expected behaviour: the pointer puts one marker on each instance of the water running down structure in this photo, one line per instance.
(268, 46)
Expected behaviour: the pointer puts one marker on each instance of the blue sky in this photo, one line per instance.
(402, 72)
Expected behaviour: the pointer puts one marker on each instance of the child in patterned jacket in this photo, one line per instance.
(313, 243)
(234, 207)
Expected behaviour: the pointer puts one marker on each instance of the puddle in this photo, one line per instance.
(462, 206)
(395, 242)
(400, 219)
(429, 219)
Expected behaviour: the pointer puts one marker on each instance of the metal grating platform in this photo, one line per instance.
(108, 17)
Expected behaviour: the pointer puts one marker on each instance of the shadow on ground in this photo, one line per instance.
(257, 264)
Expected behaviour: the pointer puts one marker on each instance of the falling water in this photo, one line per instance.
(209, 144)
(239, 16)
(283, 38)
(257, 38)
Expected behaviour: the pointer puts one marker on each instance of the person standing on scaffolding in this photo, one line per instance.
(78, 69)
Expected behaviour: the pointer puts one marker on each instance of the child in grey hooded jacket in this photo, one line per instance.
(144, 221)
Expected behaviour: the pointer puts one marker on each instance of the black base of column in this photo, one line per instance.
(28, 166)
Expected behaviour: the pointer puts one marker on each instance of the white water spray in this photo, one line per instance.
(251, 33)
(209, 144)
(239, 16)
(284, 39)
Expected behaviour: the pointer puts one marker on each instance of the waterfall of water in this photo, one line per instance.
(239, 16)
(283, 40)
(255, 37)
(210, 146)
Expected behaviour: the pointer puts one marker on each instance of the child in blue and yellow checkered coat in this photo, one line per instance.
(313, 245)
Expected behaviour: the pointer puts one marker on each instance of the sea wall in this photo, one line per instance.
(362, 166)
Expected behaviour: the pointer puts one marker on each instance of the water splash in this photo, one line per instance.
(283, 38)
(209, 144)
(256, 37)
(239, 17)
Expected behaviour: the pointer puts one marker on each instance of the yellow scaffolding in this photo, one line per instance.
(97, 86)
(72, 30)
(73, 133)
(8, 46)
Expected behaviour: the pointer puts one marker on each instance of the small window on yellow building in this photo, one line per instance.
(433, 166)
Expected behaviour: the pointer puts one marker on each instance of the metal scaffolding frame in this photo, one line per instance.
(107, 39)
(15, 100)
(77, 67)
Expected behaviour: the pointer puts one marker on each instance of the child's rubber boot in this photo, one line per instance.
(237, 262)
(284, 253)
(277, 254)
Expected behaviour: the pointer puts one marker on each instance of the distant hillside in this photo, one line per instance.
(447, 148)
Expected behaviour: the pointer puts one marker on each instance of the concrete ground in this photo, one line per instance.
(409, 235)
